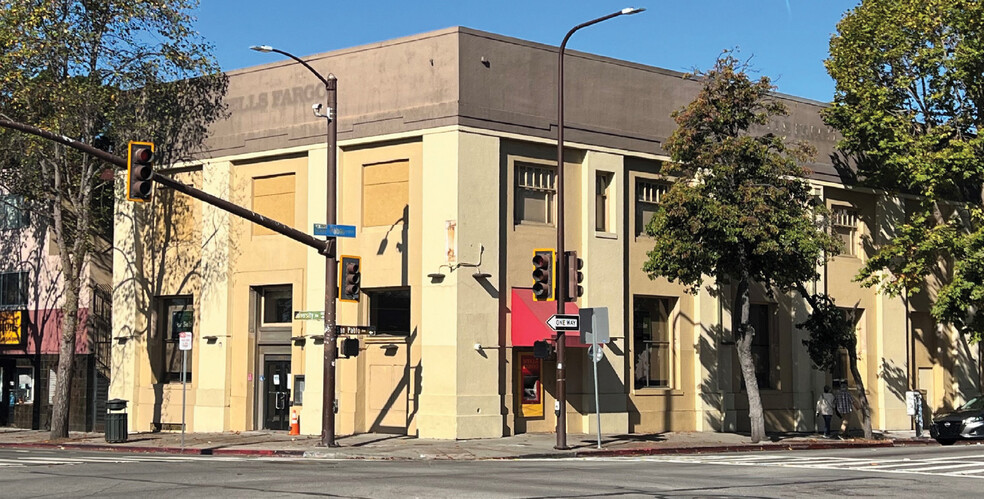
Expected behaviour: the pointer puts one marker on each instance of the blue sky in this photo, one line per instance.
(786, 39)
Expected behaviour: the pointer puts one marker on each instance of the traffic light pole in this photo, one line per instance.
(331, 272)
(320, 245)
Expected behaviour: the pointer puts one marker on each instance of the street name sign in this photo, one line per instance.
(309, 315)
(563, 322)
(334, 230)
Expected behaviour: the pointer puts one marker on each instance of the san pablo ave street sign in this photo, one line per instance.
(564, 322)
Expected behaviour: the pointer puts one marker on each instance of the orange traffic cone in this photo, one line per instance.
(295, 426)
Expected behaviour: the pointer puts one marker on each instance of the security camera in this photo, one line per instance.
(316, 108)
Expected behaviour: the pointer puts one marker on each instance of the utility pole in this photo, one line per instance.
(561, 260)
(330, 404)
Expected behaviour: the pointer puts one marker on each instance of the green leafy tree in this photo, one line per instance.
(741, 210)
(909, 80)
(103, 73)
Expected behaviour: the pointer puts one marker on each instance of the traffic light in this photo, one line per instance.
(544, 274)
(574, 276)
(350, 278)
(541, 349)
(139, 171)
(350, 347)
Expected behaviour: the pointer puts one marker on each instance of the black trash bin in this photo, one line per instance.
(116, 431)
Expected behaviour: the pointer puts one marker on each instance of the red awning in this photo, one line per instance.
(529, 320)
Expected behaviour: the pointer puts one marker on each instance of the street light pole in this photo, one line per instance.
(329, 406)
(561, 265)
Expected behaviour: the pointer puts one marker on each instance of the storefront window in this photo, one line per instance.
(389, 310)
(652, 341)
(23, 393)
(177, 316)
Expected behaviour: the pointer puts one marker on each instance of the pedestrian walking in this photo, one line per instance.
(843, 405)
(825, 408)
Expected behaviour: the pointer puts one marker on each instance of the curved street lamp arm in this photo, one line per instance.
(301, 61)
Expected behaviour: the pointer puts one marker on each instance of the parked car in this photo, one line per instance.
(966, 422)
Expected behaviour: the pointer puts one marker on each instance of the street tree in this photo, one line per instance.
(909, 78)
(741, 210)
(101, 73)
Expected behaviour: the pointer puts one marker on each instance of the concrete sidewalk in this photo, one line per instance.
(381, 446)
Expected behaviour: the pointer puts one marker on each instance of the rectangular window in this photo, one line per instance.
(844, 223)
(389, 310)
(12, 212)
(648, 195)
(273, 197)
(760, 318)
(603, 182)
(652, 341)
(13, 290)
(177, 316)
(277, 305)
(23, 390)
(385, 193)
(536, 187)
(841, 370)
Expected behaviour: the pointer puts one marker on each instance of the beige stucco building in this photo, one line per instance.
(446, 167)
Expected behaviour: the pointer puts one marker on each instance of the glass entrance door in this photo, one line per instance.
(276, 403)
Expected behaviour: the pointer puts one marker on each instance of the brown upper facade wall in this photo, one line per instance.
(461, 76)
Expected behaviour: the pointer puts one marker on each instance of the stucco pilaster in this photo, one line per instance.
(891, 334)
(124, 380)
(212, 373)
(460, 395)
(603, 253)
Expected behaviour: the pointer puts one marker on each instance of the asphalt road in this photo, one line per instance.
(887, 472)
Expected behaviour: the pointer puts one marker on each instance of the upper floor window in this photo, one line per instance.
(13, 290)
(273, 197)
(844, 223)
(536, 187)
(648, 195)
(603, 184)
(12, 212)
(385, 193)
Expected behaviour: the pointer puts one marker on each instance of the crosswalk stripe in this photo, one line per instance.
(947, 466)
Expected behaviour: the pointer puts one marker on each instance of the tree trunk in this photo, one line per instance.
(66, 358)
(743, 341)
(862, 396)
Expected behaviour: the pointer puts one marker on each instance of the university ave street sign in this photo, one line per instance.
(564, 322)
(309, 315)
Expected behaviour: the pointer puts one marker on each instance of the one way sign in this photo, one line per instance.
(564, 322)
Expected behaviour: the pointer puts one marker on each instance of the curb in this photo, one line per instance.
(321, 454)
(193, 451)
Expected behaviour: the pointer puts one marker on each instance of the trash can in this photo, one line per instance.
(116, 431)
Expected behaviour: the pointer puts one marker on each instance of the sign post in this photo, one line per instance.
(594, 331)
(184, 344)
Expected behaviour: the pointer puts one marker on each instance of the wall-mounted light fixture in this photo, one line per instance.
(439, 276)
